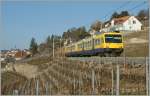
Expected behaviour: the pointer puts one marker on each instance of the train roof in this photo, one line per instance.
(89, 37)
(97, 33)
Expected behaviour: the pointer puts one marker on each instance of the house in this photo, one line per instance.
(27, 51)
(22, 54)
(16, 53)
(126, 23)
(19, 55)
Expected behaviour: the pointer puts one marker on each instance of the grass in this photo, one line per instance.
(140, 34)
(9, 77)
(40, 60)
(3, 64)
(137, 50)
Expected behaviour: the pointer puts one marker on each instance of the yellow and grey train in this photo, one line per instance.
(101, 44)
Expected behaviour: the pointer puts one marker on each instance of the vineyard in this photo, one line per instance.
(63, 76)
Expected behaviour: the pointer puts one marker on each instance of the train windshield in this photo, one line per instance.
(110, 38)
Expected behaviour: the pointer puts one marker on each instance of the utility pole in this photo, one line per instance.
(147, 77)
(47, 88)
(112, 73)
(37, 87)
(124, 53)
(117, 80)
(53, 47)
(60, 48)
(93, 81)
(101, 26)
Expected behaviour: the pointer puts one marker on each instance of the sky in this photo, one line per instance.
(22, 20)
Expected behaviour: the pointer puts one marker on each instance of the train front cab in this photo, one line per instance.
(113, 44)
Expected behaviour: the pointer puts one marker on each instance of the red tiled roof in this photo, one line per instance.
(120, 20)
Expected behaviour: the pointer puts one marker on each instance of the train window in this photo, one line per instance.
(90, 43)
(113, 38)
(102, 40)
(81, 45)
(85, 45)
(97, 41)
(78, 45)
(72, 48)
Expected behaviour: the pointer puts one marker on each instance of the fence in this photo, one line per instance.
(87, 76)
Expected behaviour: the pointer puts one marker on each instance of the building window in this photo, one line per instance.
(134, 22)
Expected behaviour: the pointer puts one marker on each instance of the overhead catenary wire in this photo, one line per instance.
(137, 6)
(118, 8)
(122, 6)
(117, 77)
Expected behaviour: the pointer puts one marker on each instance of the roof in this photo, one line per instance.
(20, 54)
(120, 20)
(107, 22)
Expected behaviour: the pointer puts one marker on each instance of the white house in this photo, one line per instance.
(126, 23)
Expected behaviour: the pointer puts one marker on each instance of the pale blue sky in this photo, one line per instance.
(26, 19)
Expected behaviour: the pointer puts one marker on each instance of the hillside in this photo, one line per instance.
(136, 44)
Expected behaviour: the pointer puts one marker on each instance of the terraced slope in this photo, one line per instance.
(136, 44)
(63, 76)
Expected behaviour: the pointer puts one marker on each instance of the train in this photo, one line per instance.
(106, 44)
